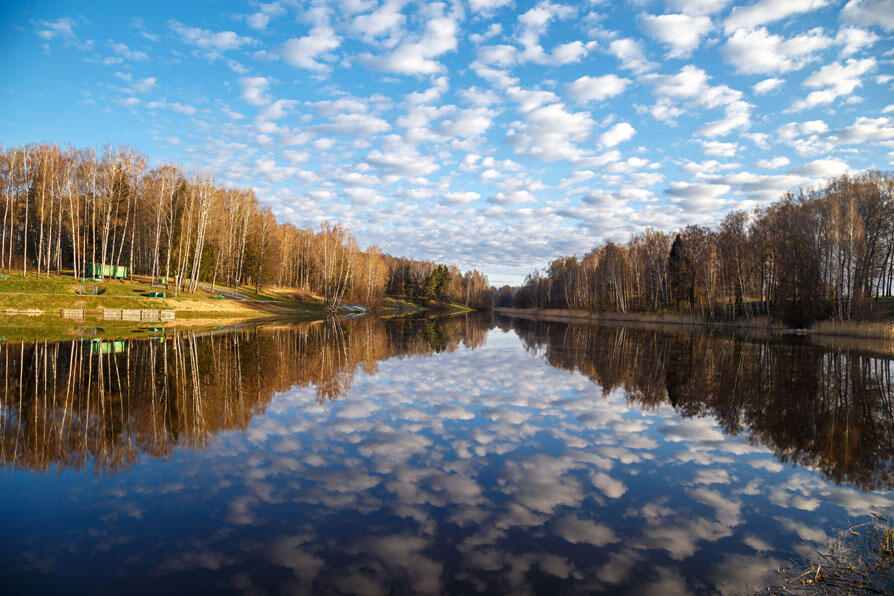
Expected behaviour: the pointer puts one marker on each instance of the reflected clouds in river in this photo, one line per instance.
(483, 467)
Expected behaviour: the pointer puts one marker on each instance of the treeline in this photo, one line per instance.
(430, 281)
(825, 253)
(97, 213)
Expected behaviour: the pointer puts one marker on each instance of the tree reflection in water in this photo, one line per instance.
(106, 402)
(823, 408)
(103, 404)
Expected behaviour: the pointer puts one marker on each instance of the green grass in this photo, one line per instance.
(398, 306)
(50, 294)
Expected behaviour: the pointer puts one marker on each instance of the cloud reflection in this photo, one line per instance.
(485, 468)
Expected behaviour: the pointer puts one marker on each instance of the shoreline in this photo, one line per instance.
(847, 329)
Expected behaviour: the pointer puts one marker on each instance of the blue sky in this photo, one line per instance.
(487, 133)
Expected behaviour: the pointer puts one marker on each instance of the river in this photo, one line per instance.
(463, 455)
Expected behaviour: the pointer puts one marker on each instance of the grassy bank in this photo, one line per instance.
(395, 306)
(875, 330)
(48, 296)
(852, 329)
(31, 307)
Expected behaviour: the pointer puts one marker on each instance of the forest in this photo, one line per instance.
(826, 253)
(100, 213)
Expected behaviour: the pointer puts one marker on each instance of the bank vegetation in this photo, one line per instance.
(822, 254)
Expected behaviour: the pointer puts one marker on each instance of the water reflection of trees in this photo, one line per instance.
(104, 403)
(813, 406)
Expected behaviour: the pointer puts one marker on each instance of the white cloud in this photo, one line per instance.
(682, 33)
(854, 39)
(833, 81)
(691, 84)
(63, 27)
(570, 52)
(540, 16)
(125, 52)
(767, 85)
(865, 129)
(354, 124)
(295, 157)
(822, 168)
(363, 196)
(276, 110)
(663, 110)
(870, 13)
(417, 55)
(758, 51)
(698, 7)
(768, 11)
(143, 85)
(531, 99)
(718, 149)
(587, 88)
(305, 52)
(709, 167)
(461, 198)
(576, 177)
(488, 5)
(618, 133)
(212, 42)
(175, 106)
(254, 90)
(775, 163)
(698, 197)
(399, 158)
(500, 55)
(792, 130)
(261, 19)
(737, 115)
(512, 198)
(535, 22)
(470, 122)
(550, 132)
(631, 55)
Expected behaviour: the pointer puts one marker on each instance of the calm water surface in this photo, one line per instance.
(461, 455)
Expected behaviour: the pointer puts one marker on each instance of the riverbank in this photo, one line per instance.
(846, 329)
(401, 306)
(61, 307)
(47, 296)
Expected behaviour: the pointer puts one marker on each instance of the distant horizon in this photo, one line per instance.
(488, 134)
